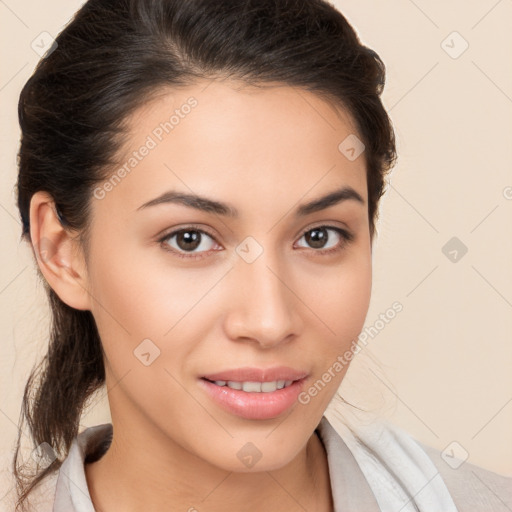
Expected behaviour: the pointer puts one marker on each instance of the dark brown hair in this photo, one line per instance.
(110, 59)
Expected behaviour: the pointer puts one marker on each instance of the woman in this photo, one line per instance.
(200, 184)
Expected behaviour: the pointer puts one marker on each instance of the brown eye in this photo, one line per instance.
(321, 238)
(317, 238)
(188, 240)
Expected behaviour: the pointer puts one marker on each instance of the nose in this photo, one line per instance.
(263, 306)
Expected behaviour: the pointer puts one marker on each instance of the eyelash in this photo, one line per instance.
(346, 236)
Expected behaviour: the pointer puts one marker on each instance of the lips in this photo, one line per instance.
(248, 374)
(251, 405)
(255, 393)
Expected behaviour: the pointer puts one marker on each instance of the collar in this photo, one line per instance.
(72, 492)
(372, 468)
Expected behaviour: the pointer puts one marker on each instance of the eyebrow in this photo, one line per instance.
(211, 206)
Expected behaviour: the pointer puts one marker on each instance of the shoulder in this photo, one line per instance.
(66, 487)
(394, 461)
(472, 487)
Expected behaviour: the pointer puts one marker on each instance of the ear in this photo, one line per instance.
(58, 254)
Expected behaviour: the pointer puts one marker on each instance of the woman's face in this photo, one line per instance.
(258, 277)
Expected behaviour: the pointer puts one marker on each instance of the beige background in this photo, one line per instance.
(441, 369)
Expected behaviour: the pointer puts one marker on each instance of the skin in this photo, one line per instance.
(264, 151)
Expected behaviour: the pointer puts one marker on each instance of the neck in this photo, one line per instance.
(135, 475)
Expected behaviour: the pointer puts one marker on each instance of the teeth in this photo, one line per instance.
(252, 386)
(268, 387)
(255, 387)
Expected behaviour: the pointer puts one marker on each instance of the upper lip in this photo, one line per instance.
(249, 374)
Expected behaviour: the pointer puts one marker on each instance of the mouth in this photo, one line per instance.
(253, 386)
(261, 375)
(253, 393)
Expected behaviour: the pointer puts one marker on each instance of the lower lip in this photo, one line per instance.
(254, 406)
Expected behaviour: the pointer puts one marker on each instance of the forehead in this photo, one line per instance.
(225, 139)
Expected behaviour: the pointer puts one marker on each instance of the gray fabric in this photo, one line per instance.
(473, 489)
(401, 475)
(350, 490)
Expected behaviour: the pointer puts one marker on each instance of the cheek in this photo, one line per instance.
(140, 297)
(340, 296)
(352, 299)
(132, 285)
(340, 304)
(143, 315)
(131, 300)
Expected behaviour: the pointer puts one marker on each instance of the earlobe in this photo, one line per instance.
(57, 253)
